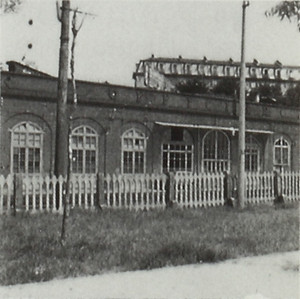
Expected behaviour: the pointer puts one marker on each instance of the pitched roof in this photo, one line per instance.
(230, 61)
(17, 67)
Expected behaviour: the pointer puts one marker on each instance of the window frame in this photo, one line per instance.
(281, 147)
(136, 135)
(252, 144)
(27, 147)
(174, 151)
(215, 159)
(84, 149)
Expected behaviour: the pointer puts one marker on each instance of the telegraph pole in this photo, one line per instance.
(242, 116)
(62, 122)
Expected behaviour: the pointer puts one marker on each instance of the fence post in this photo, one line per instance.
(18, 193)
(170, 189)
(278, 188)
(229, 189)
(100, 190)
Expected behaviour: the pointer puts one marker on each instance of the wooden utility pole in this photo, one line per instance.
(242, 116)
(62, 122)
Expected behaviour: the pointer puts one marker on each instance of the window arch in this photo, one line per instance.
(281, 156)
(84, 145)
(133, 158)
(26, 148)
(216, 152)
(252, 154)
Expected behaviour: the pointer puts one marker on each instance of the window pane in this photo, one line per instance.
(128, 162)
(22, 139)
(281, 153)
(277, 156)
(27, 143)
(19, 160)
(165, 161)
(80, 141)
(77, 161)
(30, 139)
(177, 157)
(30, 160)
(285, 156)
(139, 162)
(133, 147)
(84, 150)
(251, 160)
(90, 162)
(215, 152)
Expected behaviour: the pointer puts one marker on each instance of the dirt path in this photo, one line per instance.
(270, 276)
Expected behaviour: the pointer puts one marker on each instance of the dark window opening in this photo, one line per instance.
(177, 134)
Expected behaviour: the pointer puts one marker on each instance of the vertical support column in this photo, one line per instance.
(242, 116)
(100, 191)
(61, 145)
(170, 189)
(18, 193)
(279, 198)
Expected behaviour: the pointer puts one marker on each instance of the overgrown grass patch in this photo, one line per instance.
(120, 240)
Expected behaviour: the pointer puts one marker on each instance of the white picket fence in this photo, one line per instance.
(199, 190)
(260, 187)
(46, 193)
(142, 191)
(6, 193)
(290, 185)
(138, 192)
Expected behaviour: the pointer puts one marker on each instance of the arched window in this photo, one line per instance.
(177, 151)
(281, 157)
(265, 73)
(253, 72)
(216, 152)
(26, 148)
(214, 70)
(84, 150)
(188, 69)
(252, 154)
(227, 71)
(133, 151)
(175, 69)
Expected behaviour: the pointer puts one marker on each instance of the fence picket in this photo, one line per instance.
(144, 191)
(61, 192)
(152, 190)
(2, 182)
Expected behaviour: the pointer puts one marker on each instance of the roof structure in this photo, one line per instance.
(204, 60)
(17, 67)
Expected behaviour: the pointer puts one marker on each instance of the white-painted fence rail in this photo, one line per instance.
(199, 190)
(141, 191)
(135, 192)
(6, 193)
(260, 187)
(289, 185)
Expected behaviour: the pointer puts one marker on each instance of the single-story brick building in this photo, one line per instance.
(119, 129)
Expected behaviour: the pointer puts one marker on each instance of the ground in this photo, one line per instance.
(261, 277)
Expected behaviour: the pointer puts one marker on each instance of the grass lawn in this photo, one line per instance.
(120, 240)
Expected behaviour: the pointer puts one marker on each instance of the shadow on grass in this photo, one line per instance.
(178, 254)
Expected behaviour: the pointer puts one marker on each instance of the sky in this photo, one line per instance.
(121, 33)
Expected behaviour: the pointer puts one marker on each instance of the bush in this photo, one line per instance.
(192, 87)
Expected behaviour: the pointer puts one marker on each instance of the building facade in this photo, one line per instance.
(118, 129)
(166, 73)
